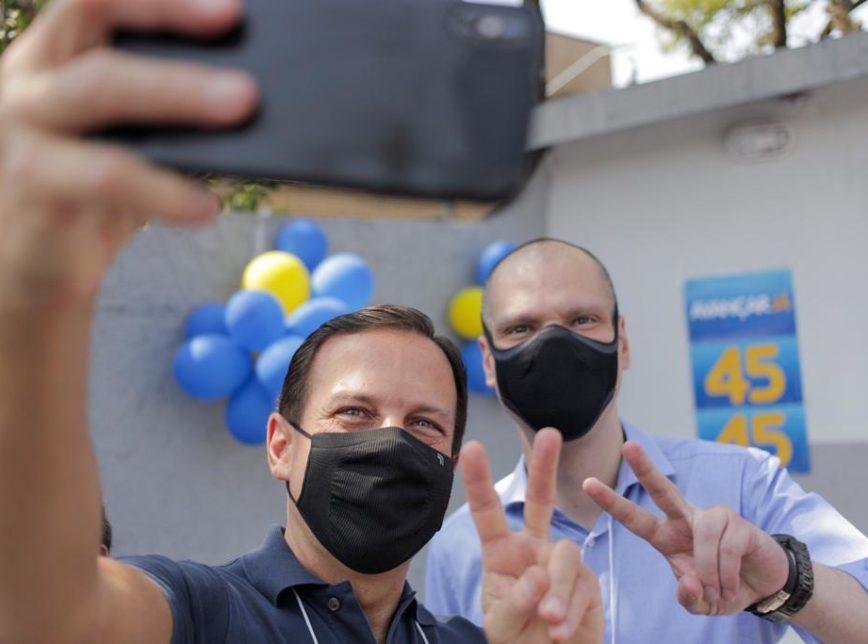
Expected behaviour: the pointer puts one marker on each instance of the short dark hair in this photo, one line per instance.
(106, 539)
(293, 395)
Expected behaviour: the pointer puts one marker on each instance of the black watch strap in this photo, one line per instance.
(799, 587)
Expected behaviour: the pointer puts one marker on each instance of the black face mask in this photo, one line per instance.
(373, 498)
(558, 379)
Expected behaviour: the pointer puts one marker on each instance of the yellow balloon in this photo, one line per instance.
(465, 312)
(282, 274)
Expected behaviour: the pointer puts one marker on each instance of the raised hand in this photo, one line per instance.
(533, 590)
(68, 204)
(723, 562)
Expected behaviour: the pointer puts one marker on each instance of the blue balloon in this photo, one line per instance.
(208, 318)
(210, 367)
(490, 257)
(344, 276)
(308, 317)
(254, 319)
(274, 362)
(471, 354)
(247, 413)
(305, 239)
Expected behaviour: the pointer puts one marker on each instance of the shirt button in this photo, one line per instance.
(590, 542)
(333, 603)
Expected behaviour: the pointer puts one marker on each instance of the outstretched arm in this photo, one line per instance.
(68, 205)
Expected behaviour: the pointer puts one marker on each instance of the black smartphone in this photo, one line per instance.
(427, 98)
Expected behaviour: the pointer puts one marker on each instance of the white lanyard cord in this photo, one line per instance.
(313, 635)
(306, 618)
(421, 632)
(613, 597)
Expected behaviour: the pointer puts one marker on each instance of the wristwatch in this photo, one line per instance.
(792, 598)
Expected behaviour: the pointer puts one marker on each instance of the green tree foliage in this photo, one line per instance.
(17, 15)
(726, 30)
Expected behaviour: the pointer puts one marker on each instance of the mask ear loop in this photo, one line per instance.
(307, 436)
(613, 593)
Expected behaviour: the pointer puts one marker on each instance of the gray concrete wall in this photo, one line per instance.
(174, 480)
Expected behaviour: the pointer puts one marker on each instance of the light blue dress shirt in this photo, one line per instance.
(637, 584)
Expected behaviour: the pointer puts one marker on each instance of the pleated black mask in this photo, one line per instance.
(373, 498)
(558, 379)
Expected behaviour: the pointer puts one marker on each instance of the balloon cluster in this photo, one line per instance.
(465, 315)
(240, 351)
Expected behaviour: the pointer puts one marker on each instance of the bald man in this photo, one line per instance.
(721, 530)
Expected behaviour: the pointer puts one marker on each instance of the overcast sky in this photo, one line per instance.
(619, 24)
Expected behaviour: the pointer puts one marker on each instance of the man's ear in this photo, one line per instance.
(487, 362)
(623, 345)
(278, 441)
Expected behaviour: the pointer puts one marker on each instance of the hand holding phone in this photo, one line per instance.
(419, 97)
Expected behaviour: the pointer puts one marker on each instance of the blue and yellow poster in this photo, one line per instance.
(746, 377)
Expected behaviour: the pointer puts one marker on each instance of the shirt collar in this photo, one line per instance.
(512, 489)
(273, 567)
(626, 475)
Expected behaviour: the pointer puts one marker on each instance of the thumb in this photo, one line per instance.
(508, 616)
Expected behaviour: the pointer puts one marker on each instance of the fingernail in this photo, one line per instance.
(560, 632)
(208, 206)
(213, 6)
(527, 587)
(229, 89)
(553, 606)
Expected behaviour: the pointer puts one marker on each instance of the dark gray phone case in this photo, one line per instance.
(420, 97)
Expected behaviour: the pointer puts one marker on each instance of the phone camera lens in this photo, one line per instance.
(491, 27)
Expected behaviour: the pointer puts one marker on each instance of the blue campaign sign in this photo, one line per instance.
(747, 380)
(759, 371)
(754, 304)
(777, 429)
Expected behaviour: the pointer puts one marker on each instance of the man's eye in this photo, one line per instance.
(582, 320)
(518, 330)
(425, 423)
(356, 412)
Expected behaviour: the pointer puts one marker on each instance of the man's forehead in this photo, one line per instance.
(378, 358)
(378, 345)
(548, 271)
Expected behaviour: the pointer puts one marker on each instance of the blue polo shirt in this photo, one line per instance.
(268, 596)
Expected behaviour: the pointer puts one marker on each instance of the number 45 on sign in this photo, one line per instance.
(727, 378)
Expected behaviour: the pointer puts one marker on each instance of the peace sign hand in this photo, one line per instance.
(533, 590)
(723, 562)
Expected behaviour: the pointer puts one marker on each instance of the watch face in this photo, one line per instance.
(773, 603)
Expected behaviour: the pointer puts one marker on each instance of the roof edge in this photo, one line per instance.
(785, 72)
